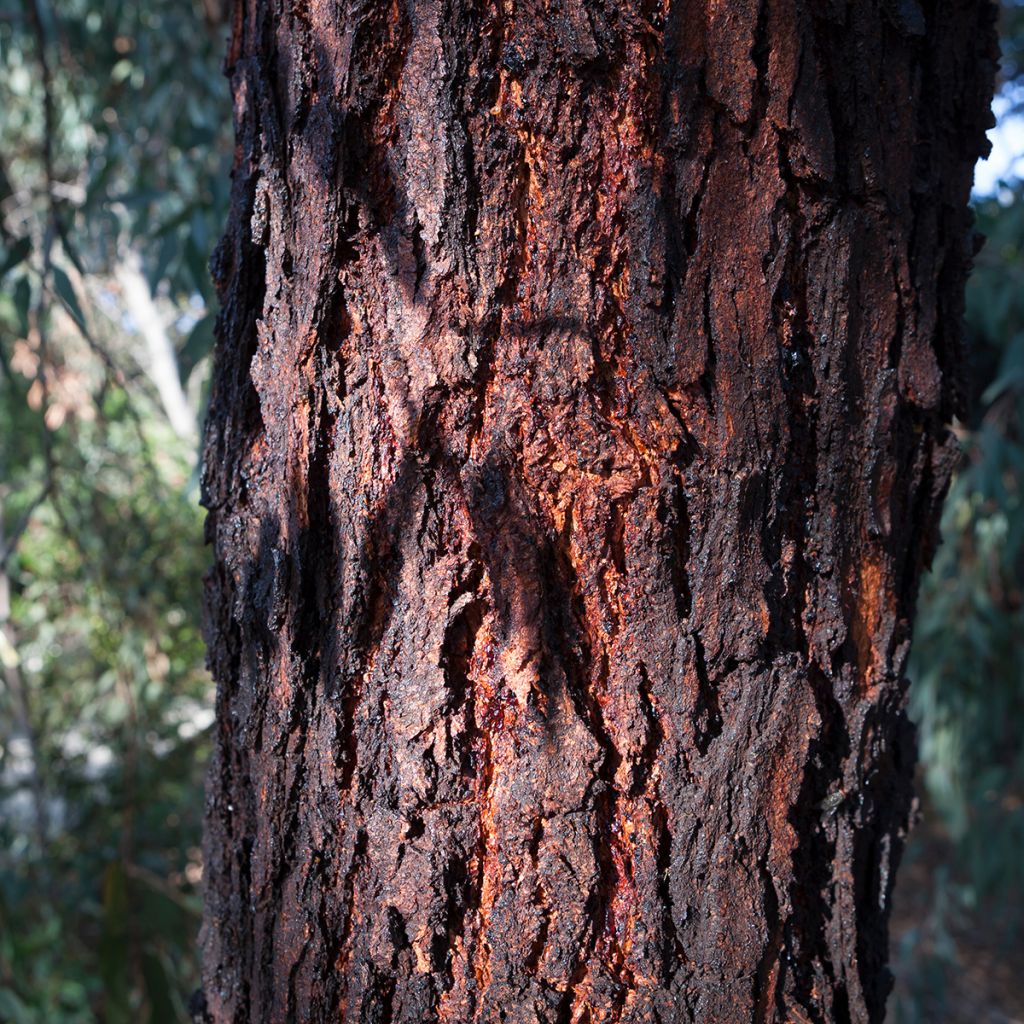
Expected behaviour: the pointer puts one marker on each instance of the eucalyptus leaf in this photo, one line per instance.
(66, 293)
(15, 255)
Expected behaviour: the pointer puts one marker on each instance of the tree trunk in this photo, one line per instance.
(577, 442)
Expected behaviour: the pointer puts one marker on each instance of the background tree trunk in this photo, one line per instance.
(577, 441)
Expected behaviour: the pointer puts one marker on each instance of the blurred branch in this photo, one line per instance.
(9, 542)
(162, 886)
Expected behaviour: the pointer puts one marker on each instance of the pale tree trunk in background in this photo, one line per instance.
(577, 443)
(161, 363)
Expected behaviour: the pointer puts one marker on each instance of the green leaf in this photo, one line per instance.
(198, 345)
(168, 250)
(196, 261)
(22, 299)
(158, 990)
(15, 255)
(114, 946)
(66, 293)
(12, 1009)
(97, 184)
(71, 252)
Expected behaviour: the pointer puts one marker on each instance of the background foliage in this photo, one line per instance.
(967, 673)
(114, 135)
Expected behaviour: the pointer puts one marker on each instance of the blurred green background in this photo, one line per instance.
(114, 153)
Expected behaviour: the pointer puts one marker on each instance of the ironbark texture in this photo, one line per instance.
(578, 436)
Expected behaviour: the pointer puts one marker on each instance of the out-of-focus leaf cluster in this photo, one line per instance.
(99, 900)
(139, 119)
(968, 691)
(967, 668)
(1011, 41)
(114, 146)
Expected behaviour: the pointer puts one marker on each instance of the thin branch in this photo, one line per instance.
(13, 536)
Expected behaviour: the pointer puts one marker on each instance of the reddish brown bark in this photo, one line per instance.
(577, 441)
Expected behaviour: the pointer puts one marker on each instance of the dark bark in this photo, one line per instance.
(578, 437)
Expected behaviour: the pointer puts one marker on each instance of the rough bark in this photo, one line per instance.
(578, 436)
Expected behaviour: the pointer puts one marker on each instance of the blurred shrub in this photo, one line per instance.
(968, 672)
(114, 145)
(126, 104)
(967, 668)
(99, 868)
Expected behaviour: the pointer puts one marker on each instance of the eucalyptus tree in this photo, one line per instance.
(578, 438)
